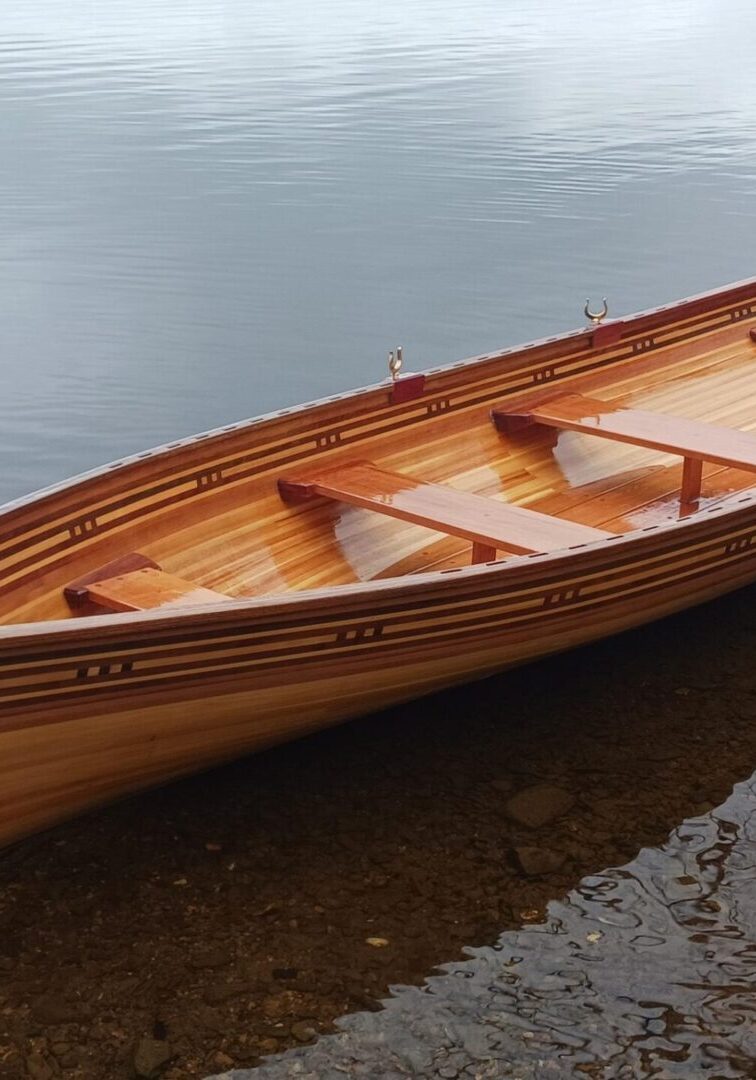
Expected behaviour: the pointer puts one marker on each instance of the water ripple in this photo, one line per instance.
(646, 970)
(262, 196)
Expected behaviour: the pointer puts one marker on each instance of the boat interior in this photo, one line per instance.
(664, 437)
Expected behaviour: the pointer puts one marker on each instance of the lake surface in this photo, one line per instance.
(214, 209)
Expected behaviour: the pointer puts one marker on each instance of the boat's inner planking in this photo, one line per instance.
(246, 541)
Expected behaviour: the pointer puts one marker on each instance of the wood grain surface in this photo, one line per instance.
(328, 609)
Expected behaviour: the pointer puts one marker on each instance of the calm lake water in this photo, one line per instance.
(212, 209)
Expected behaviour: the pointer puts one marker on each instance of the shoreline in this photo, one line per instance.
(227, 917)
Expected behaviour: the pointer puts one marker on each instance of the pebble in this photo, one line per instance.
(539, 805)
(275, 1007)
(536, 862)
(150, 1056)
(38, 1068)
(302, 1031)
(529, 915)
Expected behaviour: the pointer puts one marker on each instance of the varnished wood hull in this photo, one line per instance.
(97, 707)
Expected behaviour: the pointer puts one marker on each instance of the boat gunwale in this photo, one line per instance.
(697, 304)
(15, 634)
(339, 598)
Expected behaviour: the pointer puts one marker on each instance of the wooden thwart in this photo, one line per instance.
(490, 525)
(694, 440)
(136, 583)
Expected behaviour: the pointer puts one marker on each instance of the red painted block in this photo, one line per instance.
(607, 334)
(407, 389)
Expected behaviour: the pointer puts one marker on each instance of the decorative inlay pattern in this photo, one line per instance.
(359, 634)
(544, 374)
(643, 345)
(139, 698)
(153, 496)
(252, 652)
(93, 671)
(742, 543)
(328, 438)
(562, 596)
(209, 478)
(85, 526)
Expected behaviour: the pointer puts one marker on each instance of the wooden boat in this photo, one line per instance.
(245, 586)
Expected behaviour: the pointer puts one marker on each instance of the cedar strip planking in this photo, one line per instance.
(82, 700)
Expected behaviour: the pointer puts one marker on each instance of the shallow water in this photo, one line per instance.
(229, 915)
(211, 209)
(645, 970)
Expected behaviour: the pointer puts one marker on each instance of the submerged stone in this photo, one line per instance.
(537, 862)
(539, 805)
(150, 1057)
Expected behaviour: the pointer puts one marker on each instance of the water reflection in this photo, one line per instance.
(214, 208)
(646, 970)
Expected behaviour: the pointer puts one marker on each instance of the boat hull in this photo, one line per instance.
(322, 617)
(89, 712)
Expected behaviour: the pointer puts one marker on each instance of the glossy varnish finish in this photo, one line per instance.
(488, 524)
(329, 608)
(696, 442)
(148, 588)
(655, 430)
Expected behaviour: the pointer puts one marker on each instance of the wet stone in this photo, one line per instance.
(150, 1058)
(302, 1031)
(539, 805)
(38, 1068)
(537, 862)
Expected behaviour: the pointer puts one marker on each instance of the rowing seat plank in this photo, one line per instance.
(77, 592)
(490, 525)
(134, 582)
(694, 440)
(143, 590)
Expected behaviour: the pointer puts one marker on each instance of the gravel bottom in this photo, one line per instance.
(232, 916)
